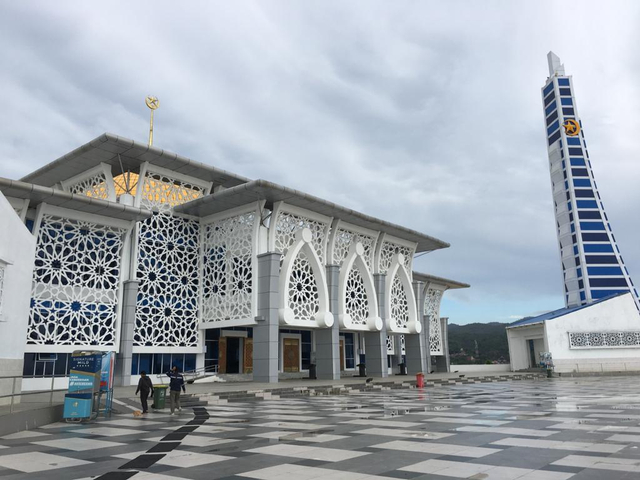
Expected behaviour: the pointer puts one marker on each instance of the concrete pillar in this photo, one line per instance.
(266, 330)
(415, 344)
(328, 339)
(376, 342)
(122, 375)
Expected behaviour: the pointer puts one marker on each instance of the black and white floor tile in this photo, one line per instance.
(558, 429)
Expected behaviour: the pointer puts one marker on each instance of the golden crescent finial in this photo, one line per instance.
(152, 102)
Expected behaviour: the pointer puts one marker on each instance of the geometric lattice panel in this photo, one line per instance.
(227, 269)
(432, 312)
(287, 224)
(75, 283)
(94, 187)
(162, 193)
(604, 340)
(303, 296)
(399, 303)
(343, 241)
(388, 250)
(168, 272)
(390, 345)
(356, 300)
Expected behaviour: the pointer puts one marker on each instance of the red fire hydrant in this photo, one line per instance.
(420, 380)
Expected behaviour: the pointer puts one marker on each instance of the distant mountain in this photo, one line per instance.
(478, 343)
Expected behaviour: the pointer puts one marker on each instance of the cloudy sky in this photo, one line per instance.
(427, 114)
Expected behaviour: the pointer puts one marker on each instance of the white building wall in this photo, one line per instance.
(17, 250)
(618, 314)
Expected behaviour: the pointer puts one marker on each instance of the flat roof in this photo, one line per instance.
(272, 193)
(107, 147)
(426, 278)
(38, 194)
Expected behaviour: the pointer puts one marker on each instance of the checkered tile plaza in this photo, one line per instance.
(585, 428)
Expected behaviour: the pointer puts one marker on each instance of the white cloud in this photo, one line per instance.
(423, 113)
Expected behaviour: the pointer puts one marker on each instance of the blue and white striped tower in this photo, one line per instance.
(592, 265)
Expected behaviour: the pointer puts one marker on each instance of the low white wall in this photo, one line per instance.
(17, 251)
(501, 368)
(616, 314)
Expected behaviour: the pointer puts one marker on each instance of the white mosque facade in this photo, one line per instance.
(167, 261)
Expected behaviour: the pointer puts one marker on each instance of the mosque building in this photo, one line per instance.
(121, 246)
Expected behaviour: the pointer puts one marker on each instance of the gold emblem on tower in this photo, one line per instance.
(153, 103)
(571, 127)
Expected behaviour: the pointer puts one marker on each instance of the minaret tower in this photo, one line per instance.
(592, 265)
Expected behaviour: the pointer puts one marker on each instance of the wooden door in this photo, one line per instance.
(341, 355)
(291, 355)
(222, 355)
(248, 355)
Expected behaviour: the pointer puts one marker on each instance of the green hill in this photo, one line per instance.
(478, 343)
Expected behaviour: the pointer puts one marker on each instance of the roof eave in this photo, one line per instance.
(265, 190)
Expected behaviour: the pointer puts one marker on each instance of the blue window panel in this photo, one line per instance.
(602, 259)
(589, 215)
(189, 362)
(592, 226)
(569, 206)
(566, 185)
(553, 127)
(577, 259)
(552, 117)
(583, 297)
(550, 108)
(548, 99)
(608, 282)
(575, 151)
(604, 271)
(587, 204)
(563, 82)
(568, 111)
(145, 362)
(581, 182)
(579, 273)
(584, 194)
(573, 141)
(595, 294)
(579, 172)
(554, 137)
(575, 250)
(565, 92)
(547, 89)
(566, 101)
(573, 228)
(577, 162)
(595, 237)
(134, 363)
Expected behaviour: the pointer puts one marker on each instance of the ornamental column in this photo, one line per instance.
(414, 344)
(376, 342)
(328, 339)
(266, 330)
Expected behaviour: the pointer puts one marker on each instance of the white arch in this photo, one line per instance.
(413, 324)
(356, 257)
(323, 318)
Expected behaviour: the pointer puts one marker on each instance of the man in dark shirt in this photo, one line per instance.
(145, 387)
(176, 383)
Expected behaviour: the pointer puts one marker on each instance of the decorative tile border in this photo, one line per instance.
(584, 340)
